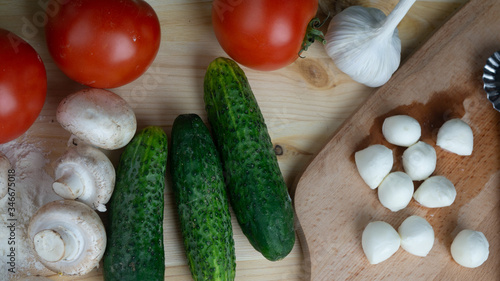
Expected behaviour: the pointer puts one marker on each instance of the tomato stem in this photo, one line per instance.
(312, 34)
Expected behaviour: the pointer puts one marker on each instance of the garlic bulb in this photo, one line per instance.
(364, 43)
(329, 7)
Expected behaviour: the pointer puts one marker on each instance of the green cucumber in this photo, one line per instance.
(201, 199)
(257, 191)
(135, 233)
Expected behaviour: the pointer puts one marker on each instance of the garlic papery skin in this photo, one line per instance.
(374, 163)
(396, 191)
(436, 192)
(364, 42)
(419, 161)
(379, 241)
(401, 130)
(456, 136)
(4, 175)
(417, 236)
(470, 248)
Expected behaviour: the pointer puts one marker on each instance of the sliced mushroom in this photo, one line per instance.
(68, 237)
(86, 174)
(4, 175)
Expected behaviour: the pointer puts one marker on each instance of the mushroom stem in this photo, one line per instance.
(53, 246)
(69, 185)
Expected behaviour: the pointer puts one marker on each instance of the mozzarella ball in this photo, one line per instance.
(396, 191)
(435, 192)
(380, 241)
(470, 248)
(374, 163)
(419, 161)
(456, 136)
(417, 236)
(401, 130)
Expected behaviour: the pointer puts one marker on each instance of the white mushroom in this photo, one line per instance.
(456, 136)
(419, 161)
(374, 163)
(86, 174)
(4, 175)
(436, 192)
(401, 130)
(68, 237)
(98, 117)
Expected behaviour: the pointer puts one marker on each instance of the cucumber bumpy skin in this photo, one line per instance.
(135, 234)
(257, 190)
(201, 199)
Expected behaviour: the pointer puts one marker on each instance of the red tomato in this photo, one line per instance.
(262, 34)
(103, 43)
(23, 86)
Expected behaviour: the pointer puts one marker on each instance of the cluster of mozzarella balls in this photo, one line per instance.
(396, 189)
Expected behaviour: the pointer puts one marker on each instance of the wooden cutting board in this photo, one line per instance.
(442, 80)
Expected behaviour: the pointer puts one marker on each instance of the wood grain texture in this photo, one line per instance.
(442, 80)
(303, 104)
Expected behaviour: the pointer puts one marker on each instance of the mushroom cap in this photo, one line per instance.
(98, 117)
(83, 223)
